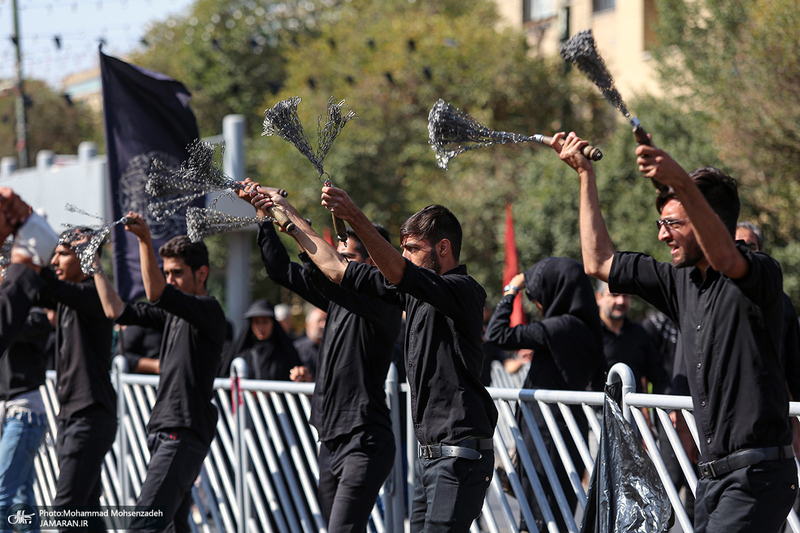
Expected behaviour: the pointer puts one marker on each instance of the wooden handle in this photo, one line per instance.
(340, 228)
(589, 151)
(283, 220)
(642, 138)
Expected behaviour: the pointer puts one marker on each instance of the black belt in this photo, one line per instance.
(743, 458)
(467, 449)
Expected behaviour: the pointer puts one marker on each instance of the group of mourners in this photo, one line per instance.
(725, 299)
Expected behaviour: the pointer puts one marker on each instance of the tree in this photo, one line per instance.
(230, 53)
(391, 61)
(737, 61)
(54, 122)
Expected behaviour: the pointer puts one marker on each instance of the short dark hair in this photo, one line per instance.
(194, 254)
(78, 234)
(360, 248)
(718, 189)
(433, 224)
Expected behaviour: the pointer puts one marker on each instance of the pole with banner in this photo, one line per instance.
(146, 116)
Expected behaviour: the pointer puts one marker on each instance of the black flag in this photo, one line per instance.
(146, 115)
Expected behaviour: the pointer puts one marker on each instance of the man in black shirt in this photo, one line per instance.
(726, 301)
(87, 419)
(454, 417)
(308, 345)
(349, 404)
(21, 283)
(626, 341)
(182, 423)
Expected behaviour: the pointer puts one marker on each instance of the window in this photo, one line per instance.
(601, 5)
(538, 10)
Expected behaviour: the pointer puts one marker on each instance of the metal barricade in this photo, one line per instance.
(261, 472)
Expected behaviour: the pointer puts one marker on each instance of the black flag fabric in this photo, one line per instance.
(146, 116)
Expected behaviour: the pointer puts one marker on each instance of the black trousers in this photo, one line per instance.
(449, 492)
(176, 458)
(753, 499)
(83, 441)
(352, 469)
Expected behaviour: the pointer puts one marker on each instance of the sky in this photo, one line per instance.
(79, 25)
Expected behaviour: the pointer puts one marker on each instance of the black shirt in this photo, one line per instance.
(18, 291)
(634, 347)
(791, 348)
(664, 335)
(443, 352)
(23, 364)
(308, 352)
(136, 342)
(731, 333)
(194, 332)
(491, 352)
(83, 345)
(356, 348)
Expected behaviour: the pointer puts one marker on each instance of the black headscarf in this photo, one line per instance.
(571, 319)
(271, 358)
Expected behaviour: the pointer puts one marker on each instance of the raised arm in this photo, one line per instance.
(325, 256)
(712, 236)
(152, 277)
(596, 246)
(112, 303)
(385, 256)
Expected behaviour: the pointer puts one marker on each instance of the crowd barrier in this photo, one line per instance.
(261, 472)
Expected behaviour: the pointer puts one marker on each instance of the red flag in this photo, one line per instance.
(511, 267)
(326, 234)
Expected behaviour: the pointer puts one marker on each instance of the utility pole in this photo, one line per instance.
(22, 127)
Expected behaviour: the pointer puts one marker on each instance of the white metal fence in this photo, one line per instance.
(261, 473)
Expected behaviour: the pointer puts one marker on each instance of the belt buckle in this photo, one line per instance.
(708, 470)
(426, 450)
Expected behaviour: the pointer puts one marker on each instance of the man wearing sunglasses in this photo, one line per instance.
(727, 303)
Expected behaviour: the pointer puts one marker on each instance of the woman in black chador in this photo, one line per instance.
(567, 349)
(264, 345)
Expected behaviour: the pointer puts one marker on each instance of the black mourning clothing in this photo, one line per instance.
(18, 292)
(194, 332)
(443, 347)
(567, 355)
(356, 347)
(349, 404)
(731, 332)
(634, 347)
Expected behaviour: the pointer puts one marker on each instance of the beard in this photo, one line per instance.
(431, 262)
(690, 255)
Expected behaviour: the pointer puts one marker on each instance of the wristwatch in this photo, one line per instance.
(510, 288)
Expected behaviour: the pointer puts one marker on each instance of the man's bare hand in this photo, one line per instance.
(568, 148)
(300, 374)
(138, 226)
(657, 164)
(339, 203)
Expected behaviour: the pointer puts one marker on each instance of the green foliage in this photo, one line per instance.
(230, 53)
(739, 64)
(391, 71)
(53, 123)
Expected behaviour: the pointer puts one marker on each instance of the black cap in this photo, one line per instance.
(260, 308)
